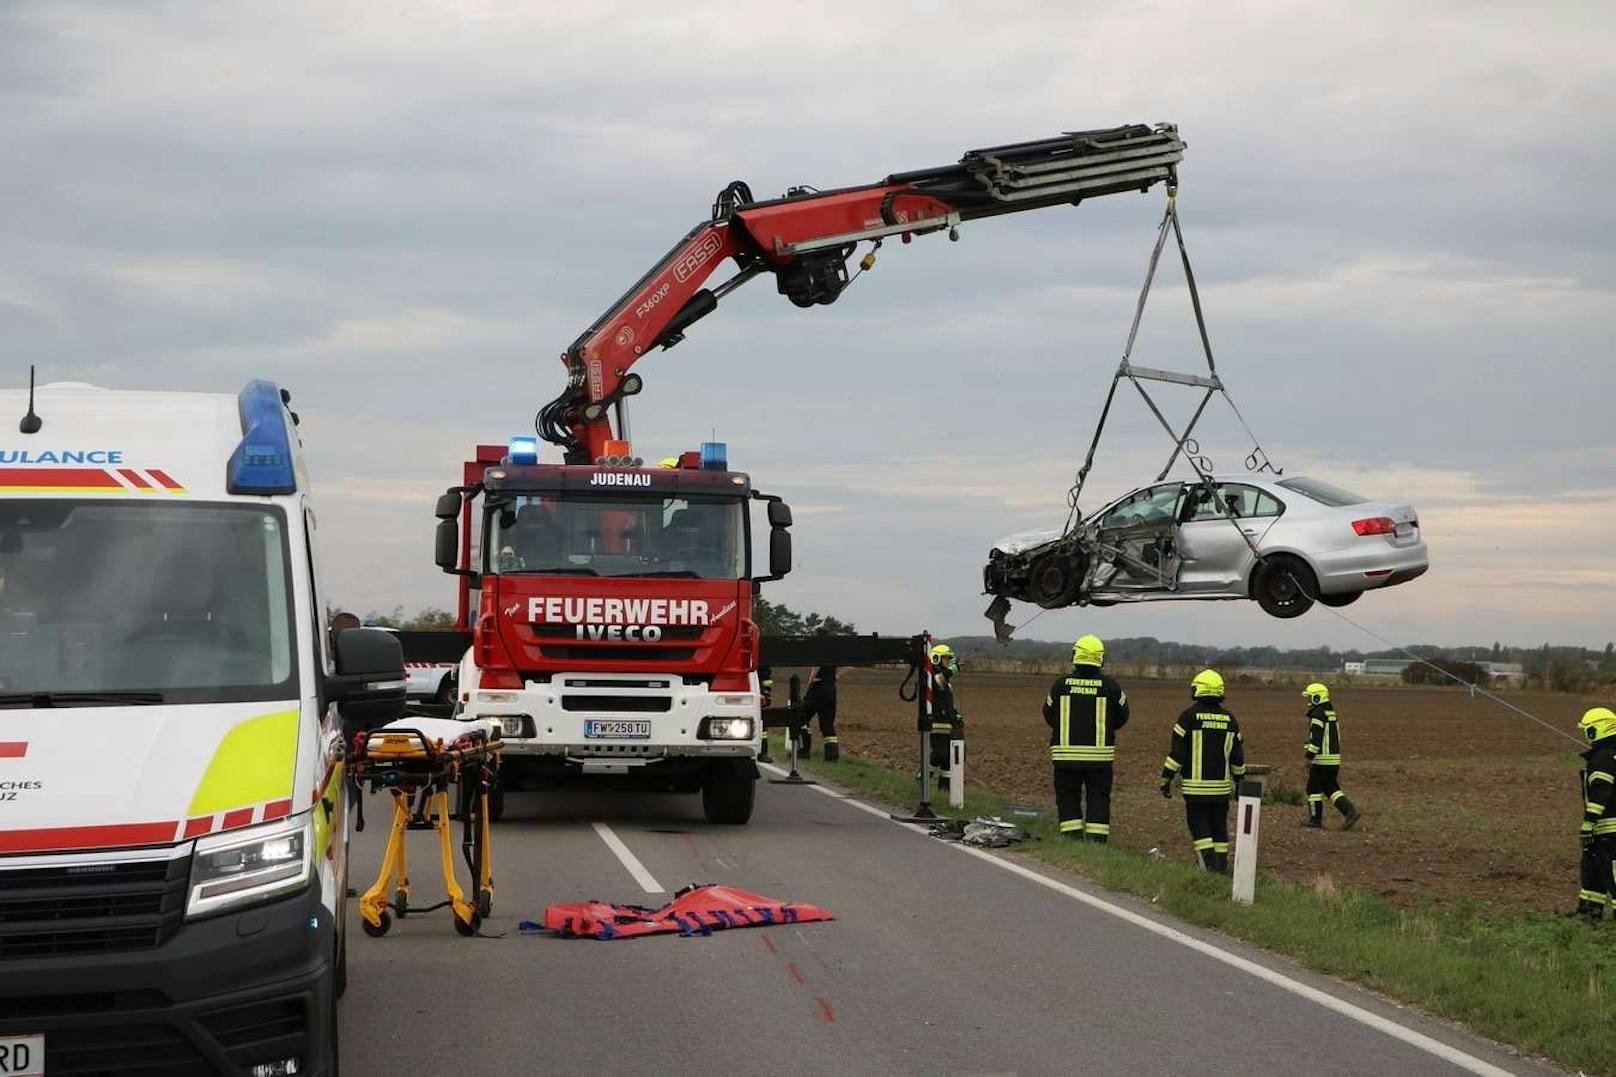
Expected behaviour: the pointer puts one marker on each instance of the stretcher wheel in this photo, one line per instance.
(468, 929)
(485, 902)
(401, 903)
(376, 931)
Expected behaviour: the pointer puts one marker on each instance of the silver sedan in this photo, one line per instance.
(1284, 542)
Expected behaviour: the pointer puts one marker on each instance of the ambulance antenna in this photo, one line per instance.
(30, 423)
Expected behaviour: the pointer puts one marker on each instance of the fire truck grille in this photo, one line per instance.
(618, 653)
(131, 905)
(618, 704)
(569, 632)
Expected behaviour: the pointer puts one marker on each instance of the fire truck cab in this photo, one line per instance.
(610, 613)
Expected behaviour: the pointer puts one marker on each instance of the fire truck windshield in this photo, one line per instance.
(105, 603)
(619, 535)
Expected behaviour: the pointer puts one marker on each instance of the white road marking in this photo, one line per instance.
(647, 882)
(1346, 1009)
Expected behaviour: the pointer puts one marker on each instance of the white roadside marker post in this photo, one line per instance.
(956, 773)
(1248, 816)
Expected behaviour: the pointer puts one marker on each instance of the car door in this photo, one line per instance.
(1135, 536)
(1217, 550)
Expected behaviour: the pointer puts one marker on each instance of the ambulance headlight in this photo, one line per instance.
(251, 866)
(725, 729)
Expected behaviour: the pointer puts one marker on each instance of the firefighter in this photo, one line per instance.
(766, 700)
(1084, 710)
(820, 701)
(1206, 755)
(1598, 830)
(946, 719)
(1324, 761)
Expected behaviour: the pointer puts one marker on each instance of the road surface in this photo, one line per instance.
(939, 962)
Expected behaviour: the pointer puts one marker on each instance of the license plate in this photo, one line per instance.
(22, 1056)
(616, 729)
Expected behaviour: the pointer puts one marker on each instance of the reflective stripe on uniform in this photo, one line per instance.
(1171, 764)
(1099, 828)
(1202, 844)
(1069, 825)
(1082, 753)
(1207, 787)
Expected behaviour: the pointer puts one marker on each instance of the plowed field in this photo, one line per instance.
(1462, 800)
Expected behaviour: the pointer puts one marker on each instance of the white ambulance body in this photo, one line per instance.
(172, 834)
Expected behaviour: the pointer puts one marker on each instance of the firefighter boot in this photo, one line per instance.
(764, 756)
(1589, 910)
(805, 744)
(1315, 813)
(1345, 807)
(833, 750)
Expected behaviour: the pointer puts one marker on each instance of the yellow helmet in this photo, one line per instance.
(669, 461)
(1088, 651)
(941, 650)
(1207, 684)
(1598, 723)
(1317, 693)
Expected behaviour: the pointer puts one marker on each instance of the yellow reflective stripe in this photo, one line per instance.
(1178, 729)
(1592, 895)
(1195, 754)
(1082, 753)
(1098, 828)
(1595, 808)
(1220, 847)
(1069, 825)
(1066, 720)
(1099, 721)
(1203, 844)
(1599, 775)
(1327, 760)
(1207, 786)
(1605, 826)
(253, 763)
(1171, 764)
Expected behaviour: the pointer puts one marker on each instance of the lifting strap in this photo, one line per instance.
(1183, 443)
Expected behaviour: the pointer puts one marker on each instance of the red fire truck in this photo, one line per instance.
(609, 604)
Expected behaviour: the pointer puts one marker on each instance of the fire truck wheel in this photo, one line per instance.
(727, 796)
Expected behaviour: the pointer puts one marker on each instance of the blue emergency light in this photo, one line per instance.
(522, 449)
(262, 462)
(714, 456)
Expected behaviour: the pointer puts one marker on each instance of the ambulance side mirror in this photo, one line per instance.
(369, 682)
(446, 547)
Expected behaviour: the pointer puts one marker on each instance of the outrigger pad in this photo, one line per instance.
(698, 909)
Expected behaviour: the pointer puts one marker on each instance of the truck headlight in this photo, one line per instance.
(247, 867)
(725, 729)
(514, 725)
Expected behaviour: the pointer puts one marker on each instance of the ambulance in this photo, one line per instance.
(173, 854)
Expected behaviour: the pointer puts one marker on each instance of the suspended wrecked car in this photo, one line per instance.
(1284, 542)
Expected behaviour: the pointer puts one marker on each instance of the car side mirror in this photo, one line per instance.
(369, 682)
(779, 550)
(779, 514)
(448, 507)
(446, 545)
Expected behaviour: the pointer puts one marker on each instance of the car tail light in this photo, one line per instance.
(1375, 525)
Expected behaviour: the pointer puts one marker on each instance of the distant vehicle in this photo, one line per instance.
(433, 681)
(1280, 541)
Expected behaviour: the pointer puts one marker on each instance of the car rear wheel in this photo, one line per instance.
(1054, 578)
(1337, 601)
(1283, 586)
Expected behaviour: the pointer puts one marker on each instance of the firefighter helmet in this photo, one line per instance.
(1088, 651)
(1317, 693)
(1598, 723)
(1207, 684)
(669, 461)
(941, 650)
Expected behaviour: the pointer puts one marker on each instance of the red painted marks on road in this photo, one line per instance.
(796, 973)
(769, 943)
(824, 1009)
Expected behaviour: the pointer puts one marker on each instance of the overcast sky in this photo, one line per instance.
(404, 212)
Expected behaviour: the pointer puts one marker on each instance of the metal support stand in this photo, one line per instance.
(1248, 814)
(923, 712)
(793, 736)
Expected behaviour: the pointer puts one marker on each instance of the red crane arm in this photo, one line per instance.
(806, 238)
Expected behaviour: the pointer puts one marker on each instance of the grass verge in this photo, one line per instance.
(1542, 983)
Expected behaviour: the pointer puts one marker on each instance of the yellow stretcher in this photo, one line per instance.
(417, 761)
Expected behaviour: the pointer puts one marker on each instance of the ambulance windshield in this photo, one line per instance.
(169, 603)
(621, 536)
